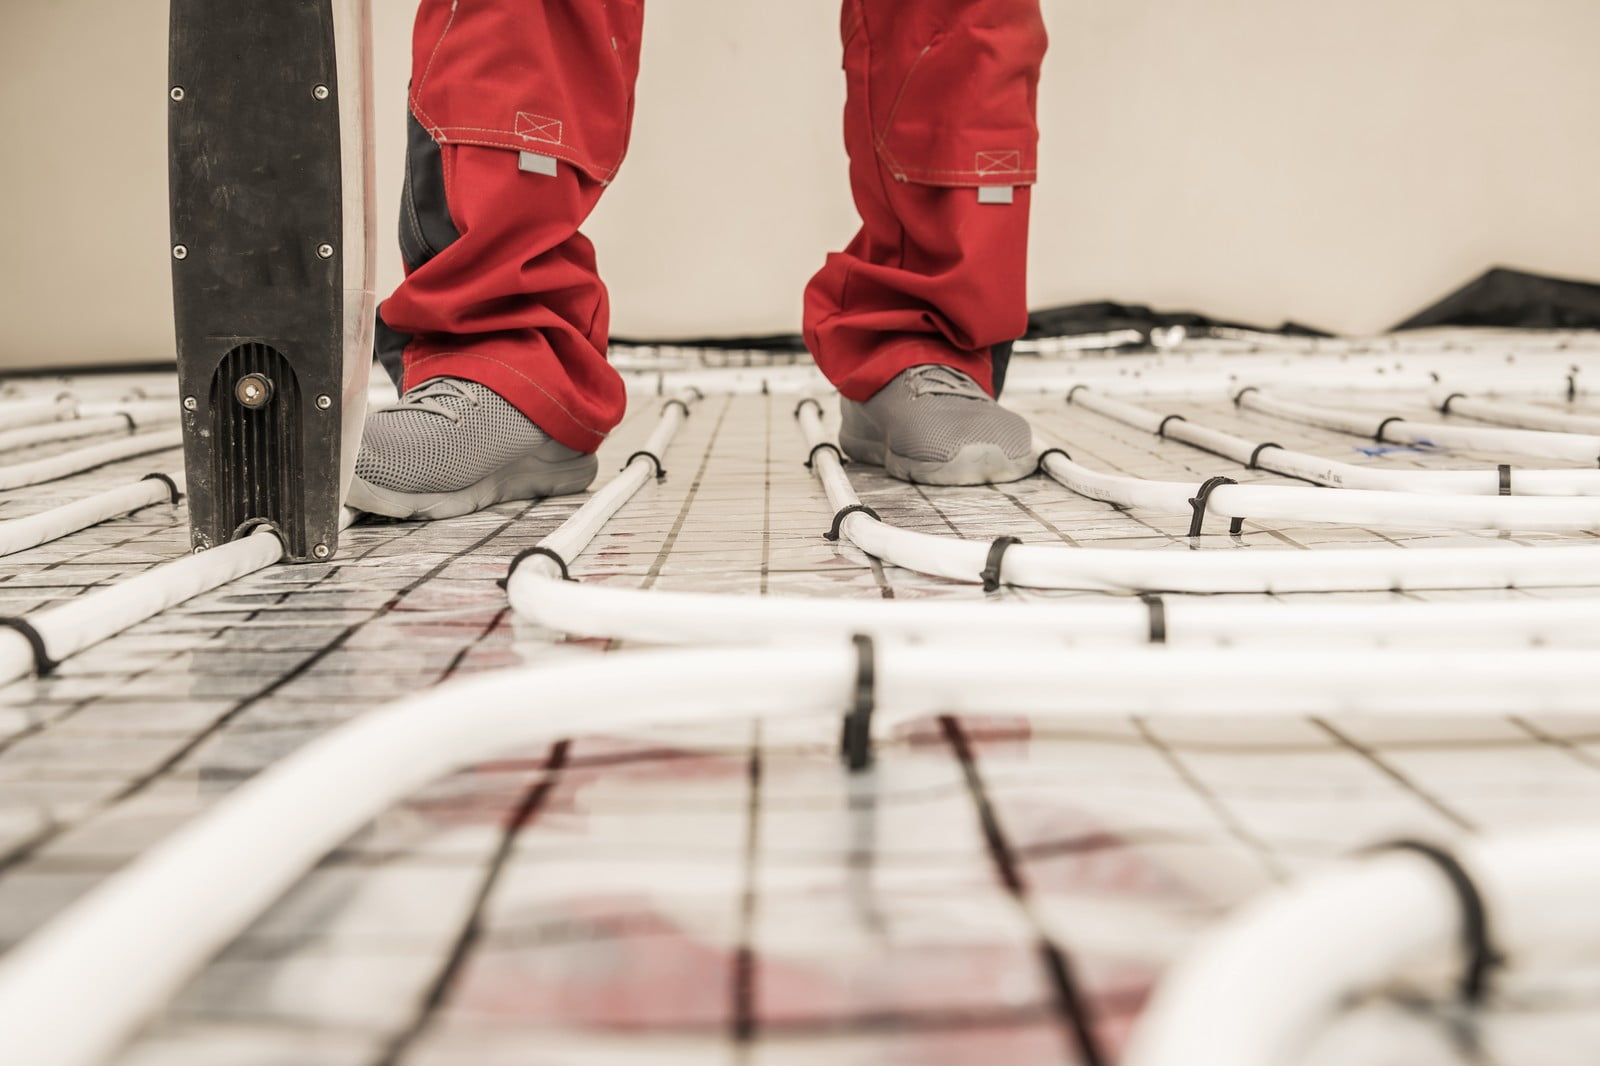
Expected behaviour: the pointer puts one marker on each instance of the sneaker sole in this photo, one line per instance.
(974, 464)
(525, 479)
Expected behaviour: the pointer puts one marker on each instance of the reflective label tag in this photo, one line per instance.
(533, 163)
(996, 194)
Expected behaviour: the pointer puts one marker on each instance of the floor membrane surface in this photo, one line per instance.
(995, 890)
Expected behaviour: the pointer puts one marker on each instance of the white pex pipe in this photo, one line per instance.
(20, 413)
(1275, 458)
(537, 594)
(1352, 507)
(131, 944)
(87, 620)
(20, 534)
(1510, 414)
(39, 471)
(1259, 988)
(1128, 570)
(1577, 447)
(91, 420)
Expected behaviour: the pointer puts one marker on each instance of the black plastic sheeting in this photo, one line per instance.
(1514, 299)
(1501, 297)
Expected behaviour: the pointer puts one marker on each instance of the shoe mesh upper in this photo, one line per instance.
(442, 436)
(929, 413)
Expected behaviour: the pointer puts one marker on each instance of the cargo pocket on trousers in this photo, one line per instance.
(960, 111)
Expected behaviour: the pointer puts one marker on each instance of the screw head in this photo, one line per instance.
(324, 402)
(321, 92)
(178, 92)
(325, 251)
(321, 551)
(190, 403)
(180, 252)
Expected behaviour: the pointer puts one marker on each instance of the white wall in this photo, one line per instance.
(1338, 163)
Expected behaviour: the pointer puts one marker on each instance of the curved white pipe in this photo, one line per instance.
(1258, 988)
(130, 944)
(1332, 472)
(1128, 570)
(1576, 447)
(598, 610)
(19, 534)
(38, 471)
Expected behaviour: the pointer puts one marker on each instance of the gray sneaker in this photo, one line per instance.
(451, 447)
(935, 425)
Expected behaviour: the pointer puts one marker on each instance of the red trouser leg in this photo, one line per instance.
(942, 103)
(500, 287)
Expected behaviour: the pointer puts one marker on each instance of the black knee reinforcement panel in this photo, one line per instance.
(259, 267)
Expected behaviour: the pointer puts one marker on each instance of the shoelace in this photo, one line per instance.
(938, 380)
(425, 397)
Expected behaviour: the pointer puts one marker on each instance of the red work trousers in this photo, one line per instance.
(521, 112)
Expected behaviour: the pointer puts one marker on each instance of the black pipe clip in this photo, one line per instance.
(997, 557)
(1202, 499)
(1385, 424)
(1477, 945)
(1255, 456)
(1444, 408)
(679, 403)
(855, 739)
(1505, 479)
(801, 406)
(165, 479)
(811, 457)
(1161, 430)
(43, 665)
(1238, 397)
(529, 553)
(1049, 452)
(661, 471)
(1158, 616)
(1074, 391)
(846, 512)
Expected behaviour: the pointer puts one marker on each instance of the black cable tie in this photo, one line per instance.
(1385, 424)
(1202, 499)
(679, 403)
(661, 471)
(801, 406)
(997, 557)
(846, 512)
(1477, 948)
(1238, 397)
(1046, 454)
(529, 553)
(1161, 430)
(811, 457)
(43, 665)
(1255, 456)
(1444, 408)
(1158, 616)
(1074, 391)
(172, 486)
(1505, 479)
(855, 739)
